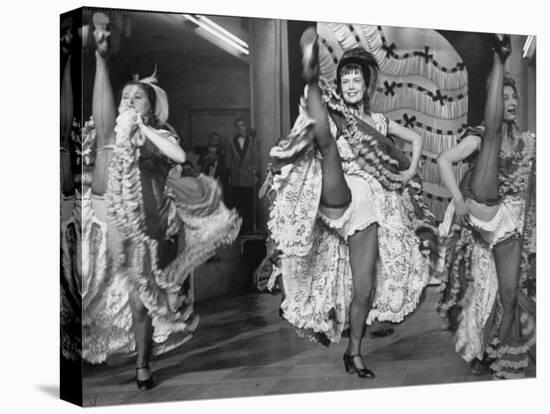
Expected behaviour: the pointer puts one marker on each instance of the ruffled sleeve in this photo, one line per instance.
(152, 161)
(477, 131)
(381, 121)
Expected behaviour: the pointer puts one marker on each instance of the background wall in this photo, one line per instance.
(208, 88)
(196, 74)
(211, 90)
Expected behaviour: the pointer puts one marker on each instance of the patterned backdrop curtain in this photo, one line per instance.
(423, 85)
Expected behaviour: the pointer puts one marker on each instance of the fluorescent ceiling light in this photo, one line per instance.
(216, 26)
(219, 32)
(527, 45)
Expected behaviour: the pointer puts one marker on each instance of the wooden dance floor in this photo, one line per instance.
(243, 348)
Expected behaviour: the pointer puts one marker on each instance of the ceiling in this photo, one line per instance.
(142, 39)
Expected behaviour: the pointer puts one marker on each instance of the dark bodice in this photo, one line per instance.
(154, 168)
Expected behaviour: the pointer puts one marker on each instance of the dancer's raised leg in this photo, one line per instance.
(103, 104)
(484, 179)
(335, 191)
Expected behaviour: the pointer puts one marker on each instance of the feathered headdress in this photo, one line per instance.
(161, 107)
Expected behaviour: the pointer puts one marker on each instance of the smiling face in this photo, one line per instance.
(135, 97)
(352, 84)
(510, 103)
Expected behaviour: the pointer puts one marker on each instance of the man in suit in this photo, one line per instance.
(212, 165)
(242, 156)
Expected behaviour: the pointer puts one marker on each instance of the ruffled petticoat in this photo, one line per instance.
(314, 262)
(70, 301)
(481, 313)
(358, 215)
(266, 276)
(402, 270)
(107, 317)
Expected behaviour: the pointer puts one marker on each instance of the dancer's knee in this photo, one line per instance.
(139, 311)
(362, 299)
(364, 293)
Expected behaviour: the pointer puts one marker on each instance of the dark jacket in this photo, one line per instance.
(242, 163)
(221, 172)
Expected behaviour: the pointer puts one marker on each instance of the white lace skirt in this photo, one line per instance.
(106, 314)
(481, 313)
(319, 286)
(70, 310)
(493, 223)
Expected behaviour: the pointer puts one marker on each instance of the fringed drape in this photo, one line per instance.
(407, 95)
(421, 80)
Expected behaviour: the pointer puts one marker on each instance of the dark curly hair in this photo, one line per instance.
(508, 81)
(369, 68)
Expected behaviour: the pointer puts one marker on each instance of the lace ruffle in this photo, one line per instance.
(106, 314)
(294, 211)
(70, 302)
(128, 259)
(315, 260)
(298, 139)
(468, 275)
(318, 287)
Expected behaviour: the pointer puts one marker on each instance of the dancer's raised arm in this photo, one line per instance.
(168, 147)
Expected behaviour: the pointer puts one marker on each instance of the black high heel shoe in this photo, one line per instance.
(144, 384)
(310, 55)
(502, 46)
(381, 333)
(349, 365)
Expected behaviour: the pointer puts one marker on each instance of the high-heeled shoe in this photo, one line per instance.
(381, 333)
(349, 365)
(310, 55)
(502, 46)
(479, 368)
(147, 383)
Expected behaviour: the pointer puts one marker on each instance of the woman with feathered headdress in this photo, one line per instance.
(135, 297)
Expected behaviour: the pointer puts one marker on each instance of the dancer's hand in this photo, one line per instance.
(141, 127)
(461, 212)
(407, 175)
(139, 121)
